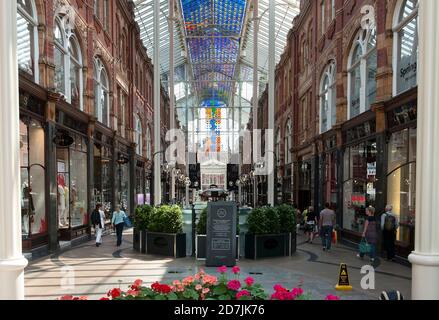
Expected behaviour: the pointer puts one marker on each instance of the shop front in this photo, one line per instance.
(305, 185)
(123, 177)
(71, 177)
(142, 192)
(401, 171)
(328, 172)
(360, 163)
(103, 166)
(33, 171)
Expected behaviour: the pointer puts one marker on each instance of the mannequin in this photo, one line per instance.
(27, 207)
(62, 204)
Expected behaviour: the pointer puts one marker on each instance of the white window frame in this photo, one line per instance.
(139, 135)
(33, 21)
(362, 39)
(101, 87)
(288, 139)
(69, 37)
(148, 143)
(277, 146)
(330, 73)
(397, 27)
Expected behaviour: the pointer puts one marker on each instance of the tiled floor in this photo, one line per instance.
(87, 270)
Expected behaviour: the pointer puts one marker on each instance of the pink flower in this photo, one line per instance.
(242, 293)
(297, 291)
(132, 293)
(222, 269)
(198, 287)
(176, 282)
(205, 290)
(180, 288)
(249, 281)
(197, 276)
(236, 270)
(209, 280)
(67, 297)
(279, 288)
(188, 281)
(234, 285)
(332, 297)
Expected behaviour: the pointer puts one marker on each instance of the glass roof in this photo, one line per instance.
(213, 59)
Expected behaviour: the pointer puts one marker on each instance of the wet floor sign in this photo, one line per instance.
(343, 279)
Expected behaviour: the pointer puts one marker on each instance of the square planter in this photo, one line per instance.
(139, 240)
(267, 245)
(292, 245)
(200, 247)
(166, 244)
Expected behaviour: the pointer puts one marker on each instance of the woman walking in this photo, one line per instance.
(370, 234)
(98, 222)
(311, 222)
(118, 222)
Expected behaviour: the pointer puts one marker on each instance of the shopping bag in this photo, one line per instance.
(127, 222)
(364, 246)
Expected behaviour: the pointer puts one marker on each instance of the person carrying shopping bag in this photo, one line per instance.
(370, 236)
(118, 221)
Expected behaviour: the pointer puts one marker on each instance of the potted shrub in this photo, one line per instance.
(165, 232)
(201, 236)
(265, 238)
(287, 219)
(142, 215)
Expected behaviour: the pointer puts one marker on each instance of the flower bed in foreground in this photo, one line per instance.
(203, 286)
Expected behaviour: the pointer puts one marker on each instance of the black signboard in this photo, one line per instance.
(221, 234)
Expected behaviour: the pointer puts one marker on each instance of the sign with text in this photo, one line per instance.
(221, 234)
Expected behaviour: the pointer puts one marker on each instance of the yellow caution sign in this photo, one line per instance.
(343, 279)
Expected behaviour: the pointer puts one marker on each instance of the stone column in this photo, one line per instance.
(425, 258)
(12, 262)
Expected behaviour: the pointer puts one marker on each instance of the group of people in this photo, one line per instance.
(324, 223)
(117, 223)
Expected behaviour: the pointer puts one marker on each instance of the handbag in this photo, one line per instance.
(364, 246)
(127, 222)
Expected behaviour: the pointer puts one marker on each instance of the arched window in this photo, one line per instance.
(148, 144)
(139, 135)
(277, 147)
(288, 142)
(328, 115)
(362, 70)
(101, 92)
(68, 63)
(27, 38)
(405, 28)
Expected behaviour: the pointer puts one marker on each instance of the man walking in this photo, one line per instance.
(389, 226)
(326, 224)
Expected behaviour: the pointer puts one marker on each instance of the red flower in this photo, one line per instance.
(242, 293)
(155, 286)
(66, 297)
(114, 293)
(249, 281)
(234, 285)
(104, 298)
(164, 288)
(279, 288)
(222, 269)
(236, 269)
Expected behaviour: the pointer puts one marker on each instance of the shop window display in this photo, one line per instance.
(102, 171)
(72, 184)
(401, 180)
(359, 187)
(33, 206)
(123, 183)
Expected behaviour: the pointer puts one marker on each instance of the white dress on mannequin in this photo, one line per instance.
(61, 205)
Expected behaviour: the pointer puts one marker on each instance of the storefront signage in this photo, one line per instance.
(402, 115)
(371, 169)
(63, 140)
(221, 234)
(28, 102)
(365, 129)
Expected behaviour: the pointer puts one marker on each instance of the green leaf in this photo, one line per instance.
(225, 297)
(172, 296)
(220, 290)
(159, 297)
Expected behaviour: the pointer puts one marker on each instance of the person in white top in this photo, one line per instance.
(98, 222)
